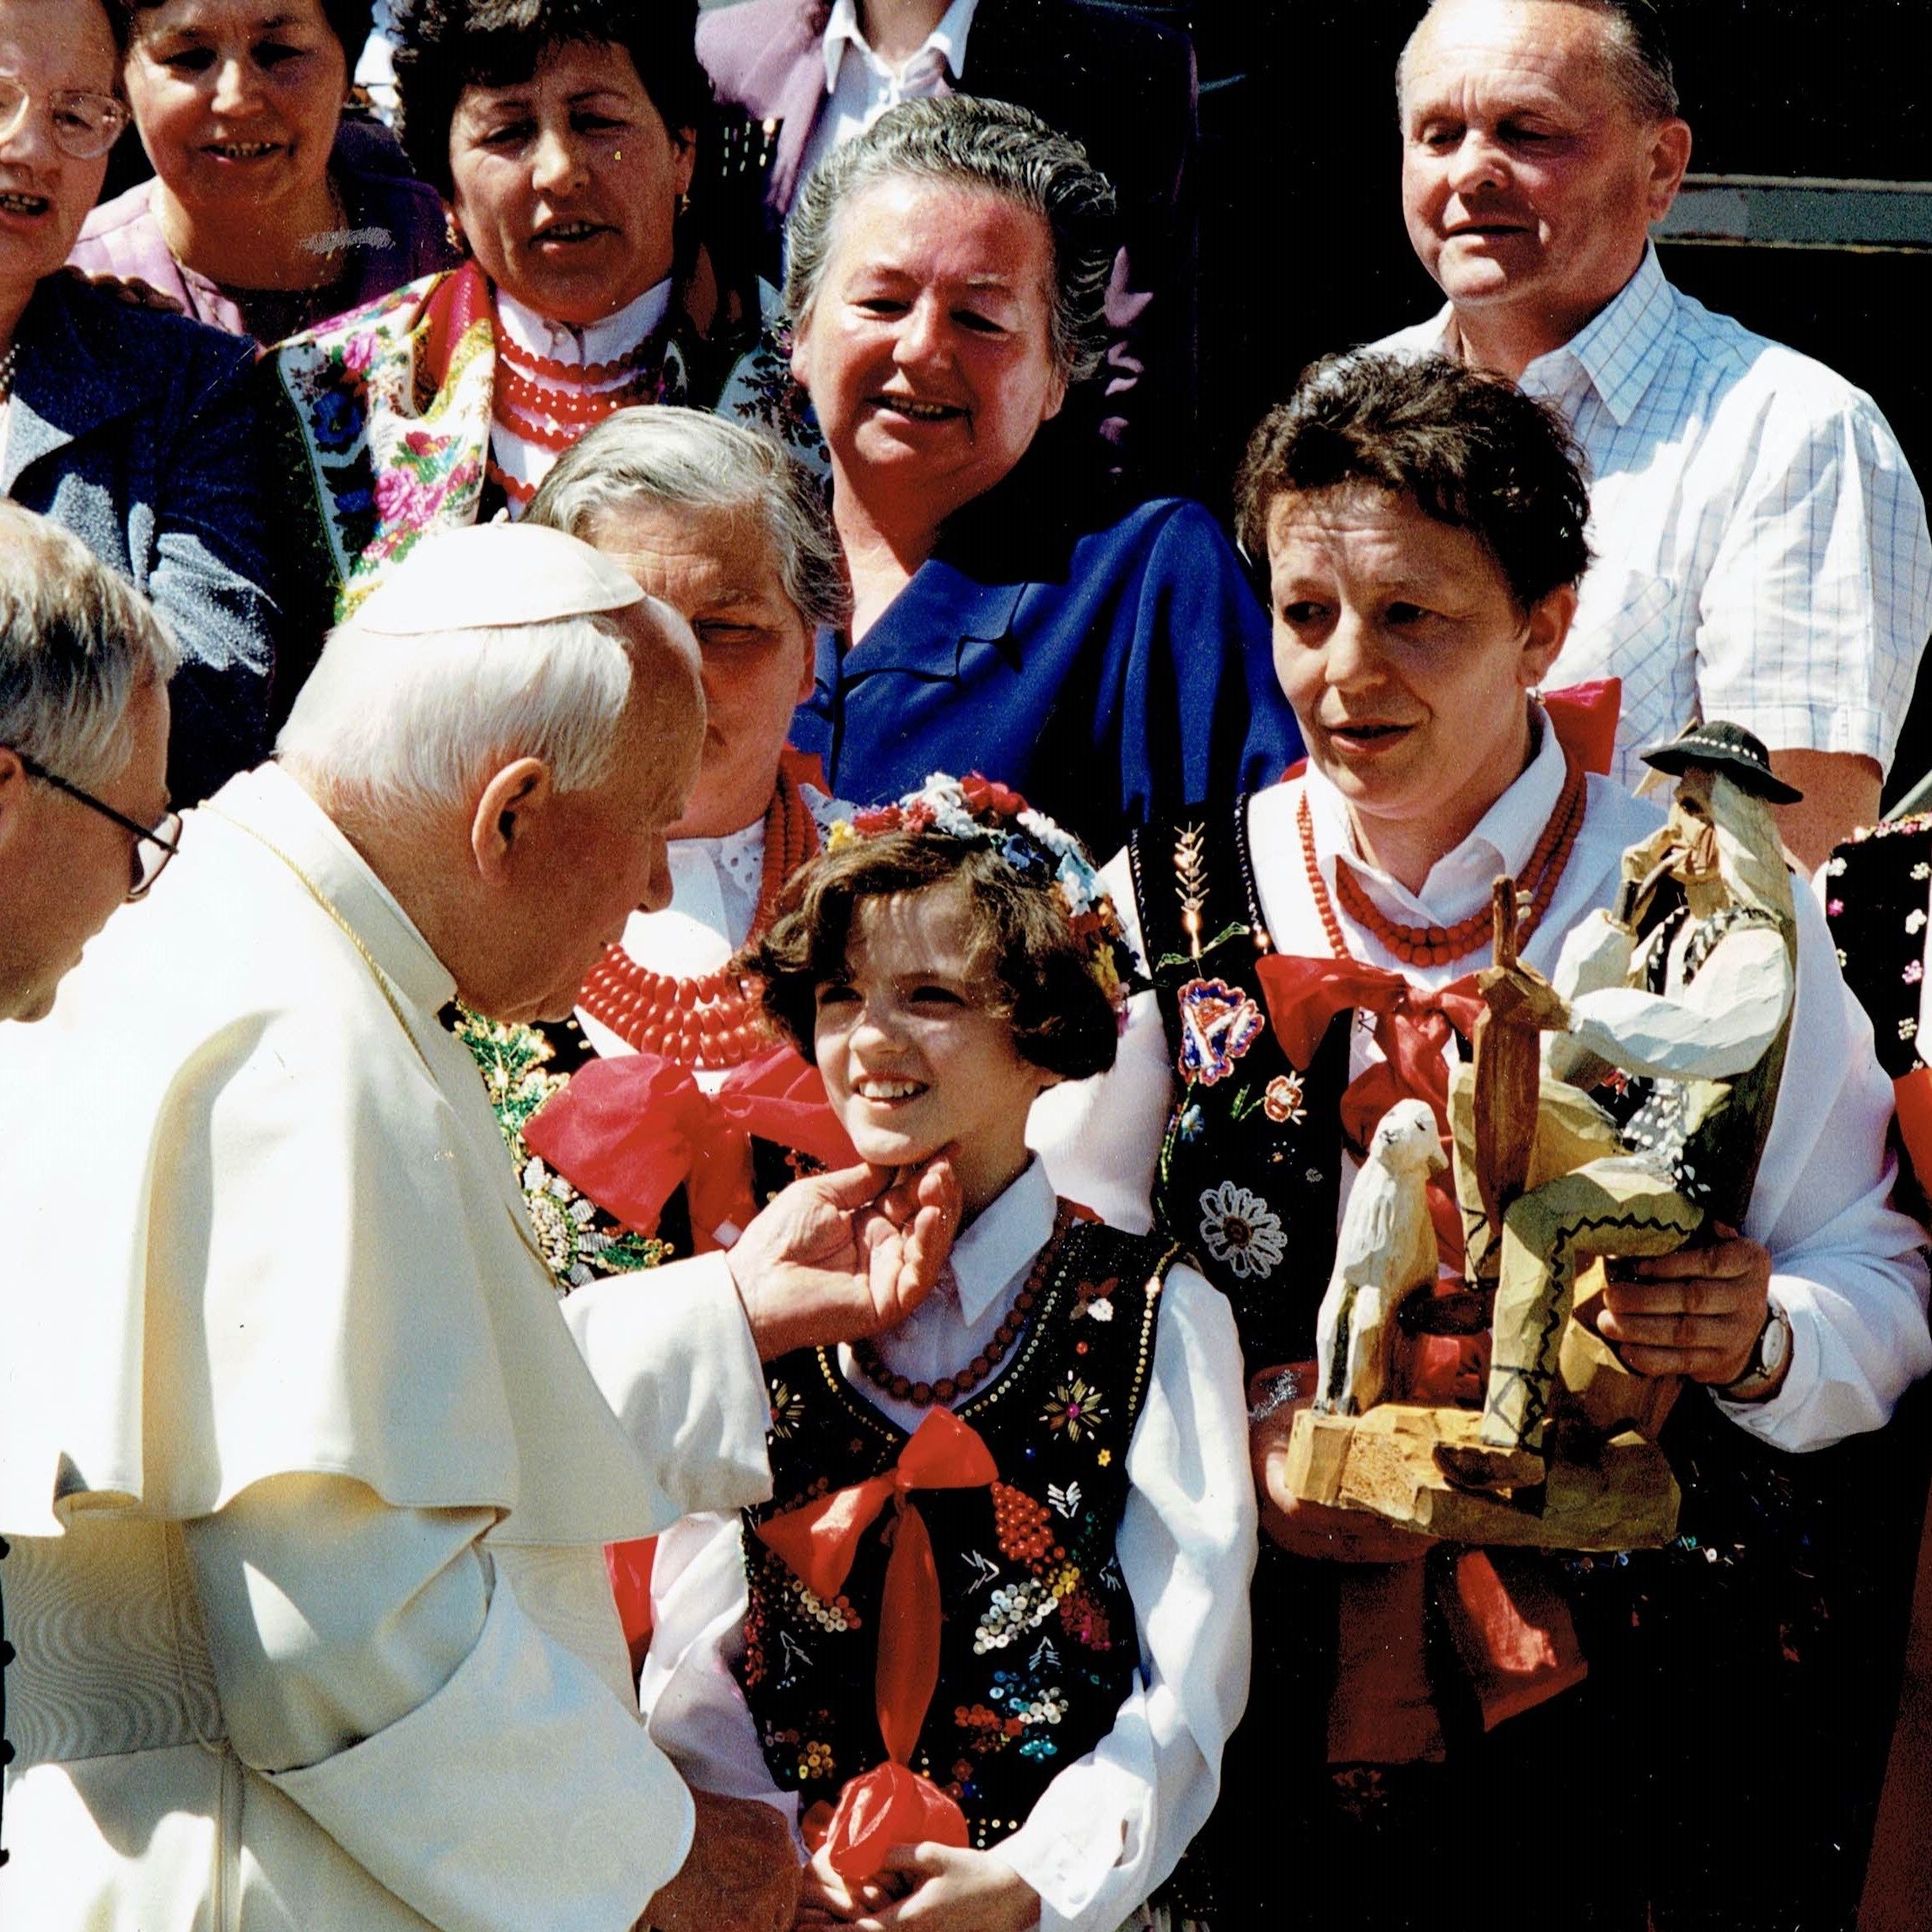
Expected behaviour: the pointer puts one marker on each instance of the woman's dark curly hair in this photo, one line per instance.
(1470, 448)
(446, 46)
(1061, 1019)
(348, 20)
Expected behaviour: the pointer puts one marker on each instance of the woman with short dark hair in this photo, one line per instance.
(563, 136)
(1312, 954)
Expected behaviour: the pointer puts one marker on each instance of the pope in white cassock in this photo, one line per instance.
(305, 1476)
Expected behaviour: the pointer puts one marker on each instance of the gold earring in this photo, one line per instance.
(619, 155)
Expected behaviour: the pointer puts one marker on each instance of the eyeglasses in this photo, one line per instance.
(153, 845)
(84, 126)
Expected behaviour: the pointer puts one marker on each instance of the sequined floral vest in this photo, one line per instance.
(1250, 1175)
(1037, 1647)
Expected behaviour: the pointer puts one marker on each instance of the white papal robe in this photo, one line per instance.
(304, 1476)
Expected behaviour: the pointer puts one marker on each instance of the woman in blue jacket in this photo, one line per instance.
(947, 277)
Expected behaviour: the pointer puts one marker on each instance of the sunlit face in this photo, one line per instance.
(1406, 660)
(566, 187)
(1527, 182)
(913, 1054)
(237, 102)
(44, 195)
(715, 567)
(68, 867)
(927, 351)
(598, 855)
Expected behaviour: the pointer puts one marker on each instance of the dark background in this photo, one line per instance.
(1302, 247)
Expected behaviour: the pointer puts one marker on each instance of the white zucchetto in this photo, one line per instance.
(495, 576)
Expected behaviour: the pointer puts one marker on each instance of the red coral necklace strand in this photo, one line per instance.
(950, 1388)
(708, 1023)
(1442, 946)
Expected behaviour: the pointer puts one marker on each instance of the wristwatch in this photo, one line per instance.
(1770, 1359)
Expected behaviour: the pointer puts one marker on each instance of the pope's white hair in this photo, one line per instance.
(414, 724)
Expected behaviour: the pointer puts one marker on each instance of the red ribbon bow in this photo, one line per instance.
(627, 1132)
(1412, 1029)
(818, 1542)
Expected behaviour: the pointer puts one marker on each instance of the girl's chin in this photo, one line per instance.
(883, 1149)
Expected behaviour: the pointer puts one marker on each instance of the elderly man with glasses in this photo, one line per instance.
(306, 1478)
(85, 666)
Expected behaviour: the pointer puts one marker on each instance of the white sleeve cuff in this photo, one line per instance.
(673, 1353)
(522, 1793)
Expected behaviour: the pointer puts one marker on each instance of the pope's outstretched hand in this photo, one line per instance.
(839, 1257)
(740, 1875)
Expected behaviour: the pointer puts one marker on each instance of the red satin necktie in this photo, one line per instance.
(628, 1131)
(818, 1542)
(1412, 1028)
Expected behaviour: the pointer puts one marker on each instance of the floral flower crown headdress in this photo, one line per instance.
(976, 812)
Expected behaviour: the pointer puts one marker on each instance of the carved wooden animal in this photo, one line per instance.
(1385, 1251)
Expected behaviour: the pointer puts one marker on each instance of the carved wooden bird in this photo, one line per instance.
(1385, 1251)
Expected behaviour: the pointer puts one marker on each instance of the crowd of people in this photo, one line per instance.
(665, 1277)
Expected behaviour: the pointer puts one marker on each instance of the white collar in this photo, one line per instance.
(1618, 350)
(1005, 1237)
(270, 804)
(601, 342)
(1459, 881)
(947, 39)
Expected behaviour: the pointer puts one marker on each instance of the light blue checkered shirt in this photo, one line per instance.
(1761, 544)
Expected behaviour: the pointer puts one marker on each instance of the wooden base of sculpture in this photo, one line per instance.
(1621, 1497)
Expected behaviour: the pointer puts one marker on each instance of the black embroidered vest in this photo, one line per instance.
(1037, 1646)
(1250, 1174)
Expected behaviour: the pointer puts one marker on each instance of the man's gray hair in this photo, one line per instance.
(410, 725)
(1636, 52)
(77, 642)
(984, 144)
(690, 460)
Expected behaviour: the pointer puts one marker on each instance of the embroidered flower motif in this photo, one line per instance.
(815, 1761)
(788, 1411)
(358, 352)
(1105, 1457)
(1921, 870)
(1242, 1230)
(1914, 922)
(1075, 1407)
(1010, 1614)
(1914, 971)
(1282, 1102)
(1835, 909)
(1219, 1023)
(1095, 1300)
(402, 497)
(337, 421)
(1190, 1124)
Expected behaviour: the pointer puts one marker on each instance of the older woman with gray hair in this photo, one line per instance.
(85, 664)
(724, 525)
(945, 284)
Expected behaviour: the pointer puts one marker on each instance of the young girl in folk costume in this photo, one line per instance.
(987, 1640)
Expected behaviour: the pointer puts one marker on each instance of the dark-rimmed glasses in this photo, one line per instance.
(85, 125)
(155, 845)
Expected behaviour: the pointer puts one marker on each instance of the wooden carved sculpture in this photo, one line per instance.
(1685, 988)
